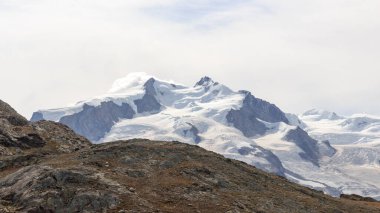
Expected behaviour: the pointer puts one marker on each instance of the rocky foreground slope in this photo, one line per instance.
(45, 167)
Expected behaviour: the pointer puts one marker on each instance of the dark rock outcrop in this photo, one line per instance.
(275, 163)
(61, 190)
(193, 132)
(18, 135)
(306, 143)
(206, 82)
(15, 130)
(10, 115)
(61, 136)
(246, 122)
(37, 116)
(94, 122)
(247, 118)
(309, 146)
(357, 198)
(148, 103)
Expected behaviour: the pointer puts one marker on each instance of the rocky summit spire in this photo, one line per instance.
(205, 81)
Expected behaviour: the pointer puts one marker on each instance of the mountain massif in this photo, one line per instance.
(46, 167)
(343, 159)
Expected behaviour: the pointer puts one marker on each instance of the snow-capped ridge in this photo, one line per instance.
(133, 81)
(361, 123)
(294, 120)
(235, 124)
(318, 114)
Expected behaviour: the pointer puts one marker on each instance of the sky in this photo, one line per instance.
(298, 54)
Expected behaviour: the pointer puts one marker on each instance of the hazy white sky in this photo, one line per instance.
(298, 54)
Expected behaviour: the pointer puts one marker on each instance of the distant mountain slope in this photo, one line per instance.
(357, 141)
(237, 125)
(355, 129)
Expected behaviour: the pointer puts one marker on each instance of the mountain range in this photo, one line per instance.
(317, 149)
(46, 167)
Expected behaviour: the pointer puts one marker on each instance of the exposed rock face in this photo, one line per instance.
(311, 150)
(358, 198)
(275, 163)
(194, 133)
(16, 134)
(94, 122)
(247, 124)
(206, 82)
(264, 110)
(148, 103)
(10, 115)
(37, 116)
(61, 190)
(23, 137)
(64, 139)
(246, 119)
(15, 131)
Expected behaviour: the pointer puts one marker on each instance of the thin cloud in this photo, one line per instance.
(297, 54)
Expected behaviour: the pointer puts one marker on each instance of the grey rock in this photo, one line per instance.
(37, 116)
(61, 190)
(275, 164)
(135, 173)
(66, 139)
(94, 122)
(264, 110)
(247, 124)
(206, 82)
(10, 115)
(148, 103)
(21, 140)
(15, 131)
(308, 145)
(326, 149)
(14, 161)
(245, 150)
(193, 132)
(17, 136)
(246, 119)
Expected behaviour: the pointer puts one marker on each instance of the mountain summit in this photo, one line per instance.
(237, 125)
(205, 81)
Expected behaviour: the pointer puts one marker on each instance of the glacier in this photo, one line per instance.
(318, 149)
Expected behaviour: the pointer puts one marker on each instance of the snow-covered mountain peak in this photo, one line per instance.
(131, 82)
(362, 123)
(364, 115)
(205, 81)
(237, 125)
(318, 114)
(207, 84)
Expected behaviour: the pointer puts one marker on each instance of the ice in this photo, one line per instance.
(352, 168)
